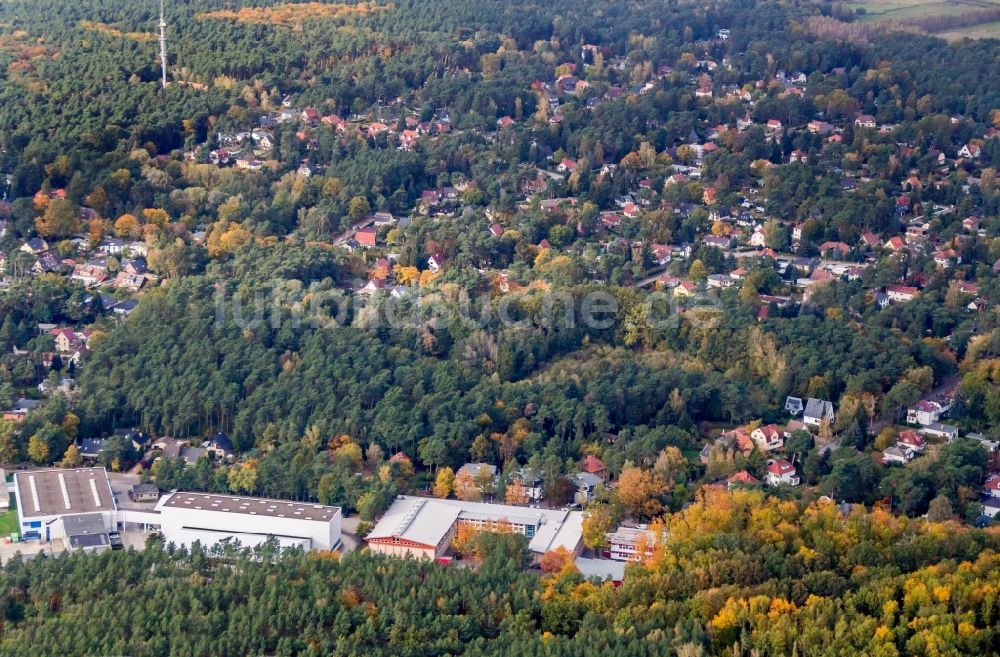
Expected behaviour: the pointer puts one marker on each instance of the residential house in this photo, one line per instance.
(129, 282)
(595, 466)
(741, 479)
(366, 237)
(946, 257)
(435, 262)
(895, 244)
(123, 309)
(901, 293)
(67, 340)
(870, 240)
(408, 139)
(780, 472)
(88, 274)
(191, 455)
(865, 121)
(532, 482)
(220, 446)
(720, 281)
(306, 169)
(821, 128)
(911, 440)
(137, 266)
(971, 151)
(90, 448)
(816, 411)
(20, 409)
(47, 262)
(834, 249)
(586, 487)
(899, 454)
(383, 219)
(925, 412)
(685, 289)
(168, 447)
(144, 493)
(660, 253)
(939, 430)
(34, 246)
(992, 486)
(768, 438)
(793, 405)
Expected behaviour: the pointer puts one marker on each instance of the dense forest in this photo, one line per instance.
(738, 575)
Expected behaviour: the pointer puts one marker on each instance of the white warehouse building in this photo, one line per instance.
(209, 518)
(52, 503)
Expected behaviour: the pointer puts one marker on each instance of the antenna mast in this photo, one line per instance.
(163, 46)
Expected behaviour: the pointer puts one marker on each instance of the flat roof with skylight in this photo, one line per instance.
(252, 506)
(43, 493)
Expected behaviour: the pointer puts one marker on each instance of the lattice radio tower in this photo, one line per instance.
(163, 46)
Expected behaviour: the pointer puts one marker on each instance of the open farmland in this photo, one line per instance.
(875, 10)
(982, 31)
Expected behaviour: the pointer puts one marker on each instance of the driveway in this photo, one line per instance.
(349, 533)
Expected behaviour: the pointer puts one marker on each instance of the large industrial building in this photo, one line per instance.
(184, 518)
(54, 504)
(425, 528)
(78, 508)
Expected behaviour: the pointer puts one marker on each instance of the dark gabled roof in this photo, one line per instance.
(818, 408)
(221, 441)
(90, 446)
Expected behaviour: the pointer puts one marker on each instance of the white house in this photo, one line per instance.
(816, 410)
(992, 486)
(901, 293)
(435, 262)
(925, 412)
(768, 438)
(897, 454)
(779, 472)
(946, 431)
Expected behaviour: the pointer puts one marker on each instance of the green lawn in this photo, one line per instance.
(8, 521)
(900, 9)
(982, 31)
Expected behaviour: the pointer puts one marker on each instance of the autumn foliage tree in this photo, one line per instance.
(516, 494)
(466, 488)
(639, 491)
(128, 226)
(59, 219)
(444, 482)
(557, 561)
(597, 522)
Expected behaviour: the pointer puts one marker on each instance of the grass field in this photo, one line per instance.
(983, 31)
(899, 9)
(8, 520)
(878, 10)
